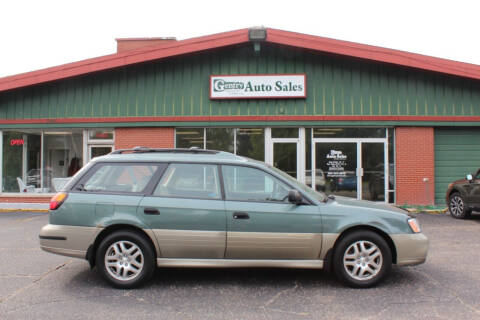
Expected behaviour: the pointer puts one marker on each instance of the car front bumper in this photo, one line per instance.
(411, 248)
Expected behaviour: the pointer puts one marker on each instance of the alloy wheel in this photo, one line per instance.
(457, 206)
(124, 260)
(363, 260)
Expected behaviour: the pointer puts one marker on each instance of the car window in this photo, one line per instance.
(189, 180)
(251, 184)
(120, 178)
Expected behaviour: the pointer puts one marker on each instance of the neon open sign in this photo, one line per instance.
(16, 142)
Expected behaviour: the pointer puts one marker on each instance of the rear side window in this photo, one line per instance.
(188, 180)
(122, 177)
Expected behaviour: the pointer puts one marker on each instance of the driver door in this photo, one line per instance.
(261, 223)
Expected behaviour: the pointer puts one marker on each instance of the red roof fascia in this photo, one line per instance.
(380, 54)
(124, 59)
(281, 37)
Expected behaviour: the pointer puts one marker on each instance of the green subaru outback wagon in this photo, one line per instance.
(133, 210)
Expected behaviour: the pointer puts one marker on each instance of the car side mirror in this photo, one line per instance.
(469, 177)
(294, 196)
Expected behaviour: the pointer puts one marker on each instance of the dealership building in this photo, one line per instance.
(345, 118)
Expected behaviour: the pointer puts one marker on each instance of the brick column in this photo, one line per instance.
(414, 152)
(126, 138)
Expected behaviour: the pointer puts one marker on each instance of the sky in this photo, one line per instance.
(39, 34)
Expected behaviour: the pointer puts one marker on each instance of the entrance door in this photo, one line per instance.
(352, 168)
(285, 150)
(336, 168)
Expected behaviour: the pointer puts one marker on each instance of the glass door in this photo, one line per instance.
(336, 168)
(285, 157)
(285, 150)
(373, 164)
(352, 168)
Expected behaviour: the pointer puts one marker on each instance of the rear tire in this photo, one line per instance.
(125, 259)
(362, 259)
(457, 206)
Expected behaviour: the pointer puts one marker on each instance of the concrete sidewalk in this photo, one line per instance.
(31, 207)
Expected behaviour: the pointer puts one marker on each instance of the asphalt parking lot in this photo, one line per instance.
(39, 285)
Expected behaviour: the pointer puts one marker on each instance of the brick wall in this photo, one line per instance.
(126, 138)
(414, 151)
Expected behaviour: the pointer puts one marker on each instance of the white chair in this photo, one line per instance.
(23, 187)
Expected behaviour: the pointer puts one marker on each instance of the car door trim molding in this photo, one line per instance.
(239, 263)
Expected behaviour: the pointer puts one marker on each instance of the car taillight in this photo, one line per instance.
(57, 200)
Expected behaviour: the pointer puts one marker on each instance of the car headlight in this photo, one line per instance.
(414, 225)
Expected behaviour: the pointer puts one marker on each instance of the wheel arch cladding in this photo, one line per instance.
(91, 252)
(381, 233)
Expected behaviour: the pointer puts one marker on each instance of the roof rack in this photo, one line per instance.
(194, 150)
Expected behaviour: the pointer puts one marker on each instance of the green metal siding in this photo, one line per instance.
(457, 153)
(180, 87)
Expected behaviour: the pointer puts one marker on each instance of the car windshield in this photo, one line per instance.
(317, 195)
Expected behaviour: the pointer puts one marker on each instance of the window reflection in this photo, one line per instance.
(190, 137)
(62, 152)
(251, 143)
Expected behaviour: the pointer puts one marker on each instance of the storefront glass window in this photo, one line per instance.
(284, 132)
(349, 132)
(100, 135)
(62, 152)
(190, 137)
(220, 139)
(251, 143)
(12, 160)
(34, 158)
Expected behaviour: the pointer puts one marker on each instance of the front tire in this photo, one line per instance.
(125, 259)
(457, 206)
(362, 259)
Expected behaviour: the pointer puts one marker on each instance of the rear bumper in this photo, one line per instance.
(411, 248)
(71, 241)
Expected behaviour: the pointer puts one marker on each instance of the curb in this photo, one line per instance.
(23, 210)
(430, 211)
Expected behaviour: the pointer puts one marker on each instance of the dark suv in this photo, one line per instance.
(463, 196)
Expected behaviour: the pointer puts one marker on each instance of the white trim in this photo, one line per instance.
(268, 146)
(204, 138)
(359, 171)
(85, 148)
(24, 158)
(301, 155)
(312, 167)
(42, 160)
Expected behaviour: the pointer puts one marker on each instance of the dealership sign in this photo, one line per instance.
(258, 86)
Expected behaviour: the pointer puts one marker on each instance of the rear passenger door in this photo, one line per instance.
(186, 212)
(110, 193)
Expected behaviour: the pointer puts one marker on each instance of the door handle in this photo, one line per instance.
(151, 211)
(240, 215)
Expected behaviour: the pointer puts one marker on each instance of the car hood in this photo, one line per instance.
(460, 181)
(380, 206)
